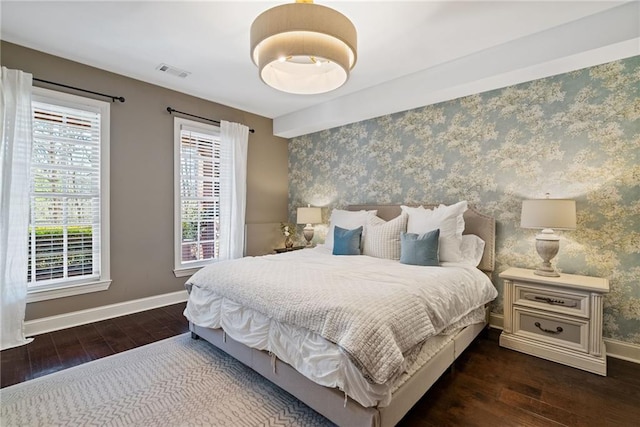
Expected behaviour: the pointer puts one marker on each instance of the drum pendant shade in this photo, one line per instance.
(303, 48)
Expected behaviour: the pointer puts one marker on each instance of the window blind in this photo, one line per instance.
(199, 195)
(64, 230)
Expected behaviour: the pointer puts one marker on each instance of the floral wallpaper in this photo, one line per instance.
(575, 135)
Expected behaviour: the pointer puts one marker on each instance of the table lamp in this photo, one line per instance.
(548, 214)
(309, 215)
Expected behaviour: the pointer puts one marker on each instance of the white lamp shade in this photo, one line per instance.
(309, 215)
(559, 214)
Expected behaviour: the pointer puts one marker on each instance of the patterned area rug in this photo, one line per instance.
(175, 382)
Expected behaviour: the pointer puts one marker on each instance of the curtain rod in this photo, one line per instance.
(113, 98)
(172, 110)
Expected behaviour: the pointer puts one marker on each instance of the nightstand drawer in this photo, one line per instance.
(556, 318)
(557, 330)
(574, 303)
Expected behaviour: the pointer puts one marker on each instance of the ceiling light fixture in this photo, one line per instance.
(303, 48)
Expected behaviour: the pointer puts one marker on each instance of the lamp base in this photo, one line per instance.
(308, 234)
(547, 272)
(547, 245)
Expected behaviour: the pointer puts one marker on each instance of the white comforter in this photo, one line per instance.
(375, 310)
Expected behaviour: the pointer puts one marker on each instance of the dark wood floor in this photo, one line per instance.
(69, 347)
(490, 385)
(494, 386)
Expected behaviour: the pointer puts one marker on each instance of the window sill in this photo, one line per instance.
(67, 291)
(184, 272)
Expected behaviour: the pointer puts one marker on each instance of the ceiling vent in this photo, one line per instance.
(172, 70)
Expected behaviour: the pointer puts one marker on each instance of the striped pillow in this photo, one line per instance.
(383, 237)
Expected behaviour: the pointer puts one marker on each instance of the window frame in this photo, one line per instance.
(77, 285)
(183, 269)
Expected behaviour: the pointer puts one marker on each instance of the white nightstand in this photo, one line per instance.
(556, 318)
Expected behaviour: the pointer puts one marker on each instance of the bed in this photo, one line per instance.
(346, 385)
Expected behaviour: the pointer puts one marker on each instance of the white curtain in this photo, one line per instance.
(234, 142)
(15, 161)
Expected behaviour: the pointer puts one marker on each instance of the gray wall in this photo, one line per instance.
(142, 176)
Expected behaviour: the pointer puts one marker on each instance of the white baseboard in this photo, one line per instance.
(618, 349)
(496, 321)
(82, 317)
(623, 350)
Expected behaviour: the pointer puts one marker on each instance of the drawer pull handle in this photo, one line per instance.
(549, 331)
(555, 301)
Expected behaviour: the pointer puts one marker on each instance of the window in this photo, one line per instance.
(197, 195)
(69, 196)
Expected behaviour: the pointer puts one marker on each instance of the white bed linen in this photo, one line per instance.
(376, 310)
(315, 357)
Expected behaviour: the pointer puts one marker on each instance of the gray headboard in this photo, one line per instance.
(476, 223)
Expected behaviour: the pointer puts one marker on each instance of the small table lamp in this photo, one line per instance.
(547, 214)
(309, 216)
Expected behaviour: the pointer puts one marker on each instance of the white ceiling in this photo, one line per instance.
(410, 53)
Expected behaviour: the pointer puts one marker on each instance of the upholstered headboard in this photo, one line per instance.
(476, 223)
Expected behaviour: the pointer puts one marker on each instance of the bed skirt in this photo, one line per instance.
(331, 402)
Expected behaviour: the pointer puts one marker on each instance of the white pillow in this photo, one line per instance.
(472, 249)
(347, 220)
(383, 237)
(446, 218)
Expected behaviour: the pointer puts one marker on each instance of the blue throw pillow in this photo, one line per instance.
(421, 249)
(346, 242)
